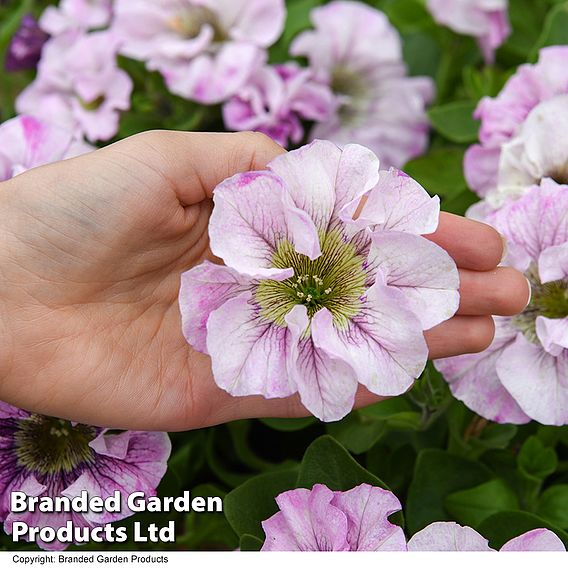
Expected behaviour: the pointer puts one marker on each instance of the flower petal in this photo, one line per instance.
(307, 521)
(204, 289)
(309, 175)
(537, 540)
(536, 380)
(251, 217)
(480, 168)
(384, 344)
(399, 203)
(553, 263)
(248, 355)
(367, 509)
(553, 334)
(473, 379)
(326, 383)
(424, 272)
(357, 174)
(446, 537)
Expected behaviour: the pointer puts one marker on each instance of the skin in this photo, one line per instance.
(91, 252)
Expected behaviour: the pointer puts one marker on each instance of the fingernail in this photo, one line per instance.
(530, 292)
(505, 249)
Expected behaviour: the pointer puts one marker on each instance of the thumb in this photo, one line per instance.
(194, 163)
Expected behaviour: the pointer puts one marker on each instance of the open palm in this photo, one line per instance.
(91, 252)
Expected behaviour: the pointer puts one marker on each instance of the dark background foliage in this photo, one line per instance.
(441, 460)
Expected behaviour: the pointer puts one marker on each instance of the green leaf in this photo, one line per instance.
(460, 203)
(250, 543)
(437, 474)
(440, 171)
(358, 433)
(253, 501)
(455, 121)
(502, 527)
(289, 424)
(327, 462)
(472, 506)
(553, 505)
(555, 30)
(407, 15)
(535, 460)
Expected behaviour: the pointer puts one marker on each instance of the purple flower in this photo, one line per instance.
(319, 519)
(205, 49)
(81, 15)
(523, 375)
(448, 537)
(310, 300)
(356, 50)
(502, 118)
(45, 456)
(24, 50)
(325, 520)
(276, 99)
(26, 142)
(485, 20)
(79, 85)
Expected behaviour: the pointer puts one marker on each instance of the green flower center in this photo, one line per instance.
(345, 81)
(335, 280)
(50, 445)
(549, 300)
(188, 23)
(93, 105)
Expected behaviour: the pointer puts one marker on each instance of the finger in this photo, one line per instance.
(503, 291)
(459, 335)
(473, 245)
(194, 163)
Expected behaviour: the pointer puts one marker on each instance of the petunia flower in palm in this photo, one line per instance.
(311, 300)
(49, 457)
(523, 375)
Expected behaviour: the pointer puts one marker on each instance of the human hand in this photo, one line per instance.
(91, 252)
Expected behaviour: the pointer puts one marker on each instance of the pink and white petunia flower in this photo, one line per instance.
(310, 300)
(276, 99)
(48, 457)
(485, 20)
(82, 15)
(26, 142)
(319, 519)
(451, 537)
(524, 373)
(379, 106)
(205, 49)
(79, 85)
(503, 117)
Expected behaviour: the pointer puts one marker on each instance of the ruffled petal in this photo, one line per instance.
(204, 289)
(384, 344)
(309, 175)
(447, 537)
(307, 521)
(248, 354)
(473, 379)
(424, 272)
(368, 509)
(536, 380)
(399, 203)
(553, 263)
(537, 540)
(552, 334)
(326, 383)
(252, 215)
